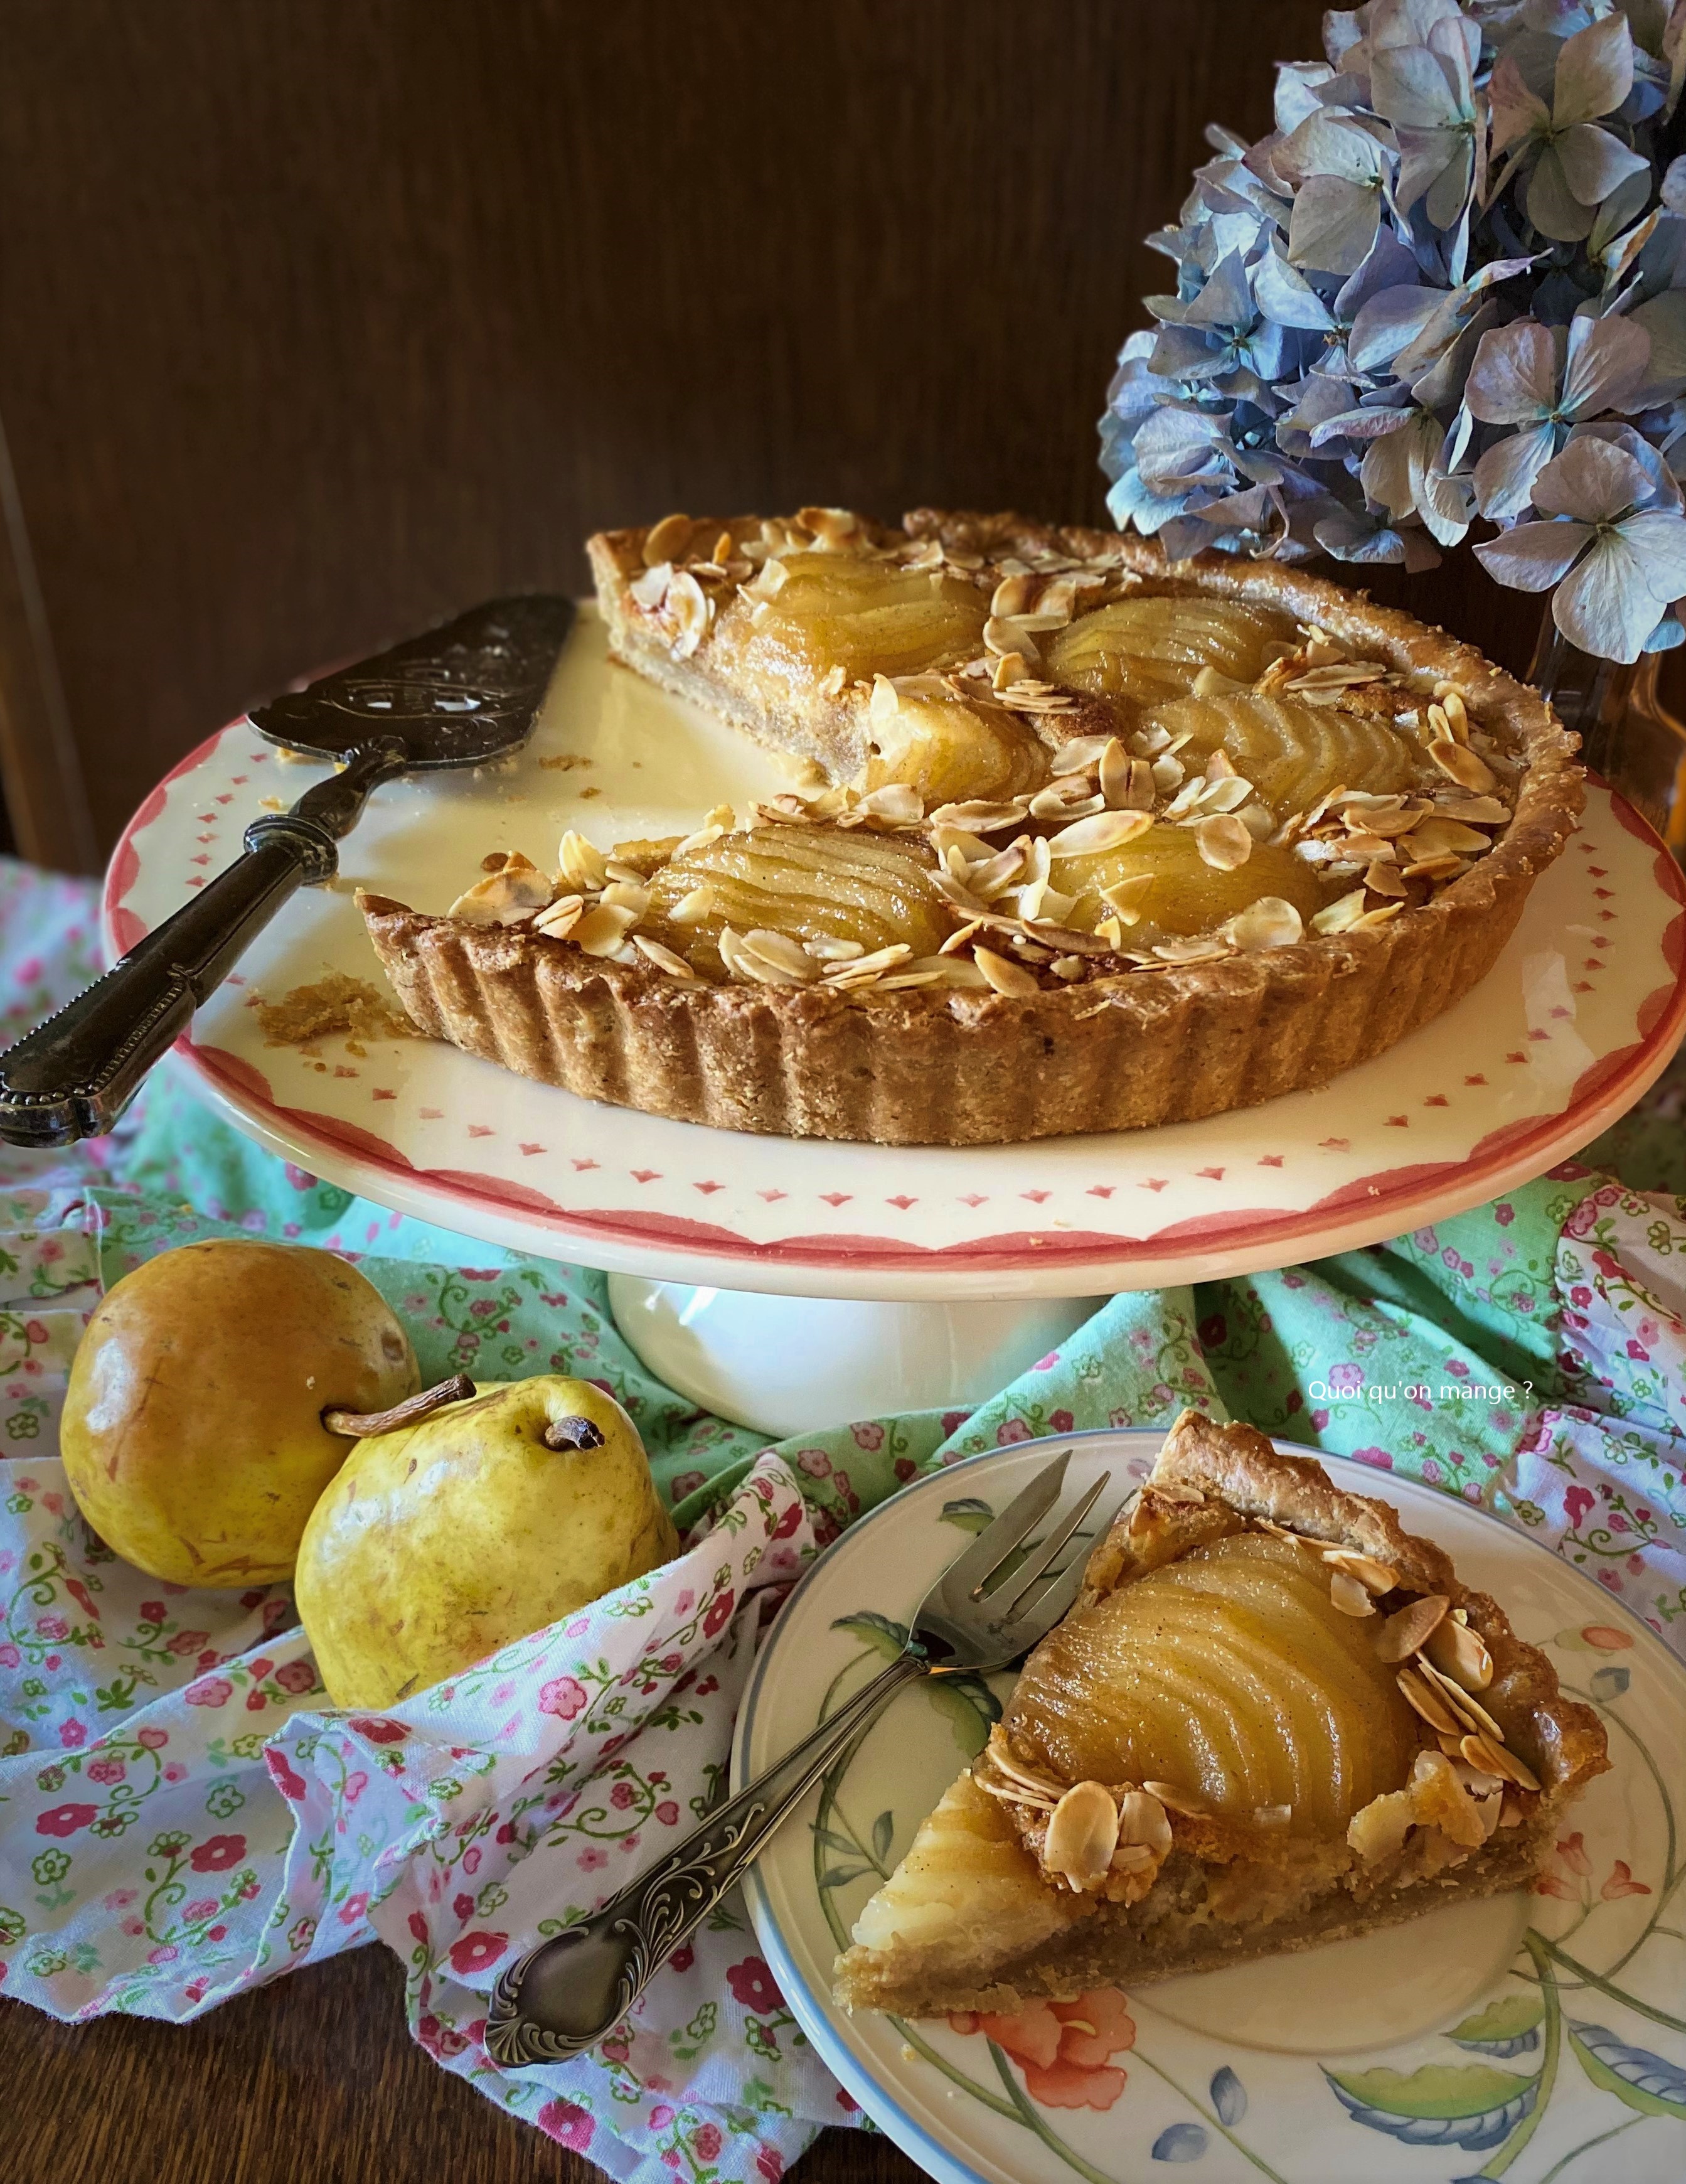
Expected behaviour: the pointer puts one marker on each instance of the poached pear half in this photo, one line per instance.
(438, 1543)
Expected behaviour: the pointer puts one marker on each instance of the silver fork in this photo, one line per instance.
(563, 1997)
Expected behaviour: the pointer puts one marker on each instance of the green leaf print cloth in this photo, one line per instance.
(182, 1814)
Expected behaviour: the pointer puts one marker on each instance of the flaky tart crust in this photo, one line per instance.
(1221, 1893)
(963, 1066)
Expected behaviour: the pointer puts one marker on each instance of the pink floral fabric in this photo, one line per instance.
(181, 1816)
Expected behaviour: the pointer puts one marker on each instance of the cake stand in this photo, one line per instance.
(903, 1277)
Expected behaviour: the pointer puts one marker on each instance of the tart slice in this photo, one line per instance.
(1273, 1718)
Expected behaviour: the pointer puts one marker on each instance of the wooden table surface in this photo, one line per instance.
(312, 2080)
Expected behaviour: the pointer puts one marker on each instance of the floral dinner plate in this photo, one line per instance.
(1540, 2036)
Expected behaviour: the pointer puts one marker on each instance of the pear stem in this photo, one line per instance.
(359, 1425)
(572, 1433)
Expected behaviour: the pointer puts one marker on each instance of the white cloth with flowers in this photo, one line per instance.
(181, 1816)
(179, 1821)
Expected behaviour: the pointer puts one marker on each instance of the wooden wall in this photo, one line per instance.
(321, 318)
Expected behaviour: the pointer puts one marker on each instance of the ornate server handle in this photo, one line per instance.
(73, 1076)
(563, 1997)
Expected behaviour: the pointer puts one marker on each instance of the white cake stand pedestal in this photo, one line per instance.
(906, 1278)
(788, 1364)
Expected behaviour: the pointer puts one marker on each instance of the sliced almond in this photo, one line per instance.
(1134, 1858)
(902, 805)
(1465, 1704)
(1188, 951)
(1070, 797)
(693, 908)
(506, 896)
(556, 922)
(1349, 1596)
(880, 960)
(1374, 1576)
(782, 954)
(1081, 755)
(1125, 896)
(650, 589)
(663, 958)
(1338, 676)
(581, 863)
(979, 817)
(1106, 830)
(1113, 773)
(1082, 1833)
(689, 609)
(1169, 772)
(1496, 1759)
(1460, 764)
(634, 897)
(1478, 1783)
(1006, 977)
(1223, 842)
(1178, 1801)
(1474, 811)
(1460, 1653)
(1451, 704)
(1141, 1820)
(1439, 836)
(666, 540)
(602, 930)
(1428, 1704)
(1403, 1633)
(1272, 922)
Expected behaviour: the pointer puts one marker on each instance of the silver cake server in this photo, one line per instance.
(459, 695)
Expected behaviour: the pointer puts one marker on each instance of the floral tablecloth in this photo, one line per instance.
(182, 1815)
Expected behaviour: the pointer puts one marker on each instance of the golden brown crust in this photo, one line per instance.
(1117, 1947)
(959, 1066)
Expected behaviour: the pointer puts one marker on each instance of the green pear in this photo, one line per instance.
(435, 1545)
(193, 1434)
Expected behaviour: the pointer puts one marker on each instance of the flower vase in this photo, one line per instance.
(1627, 734)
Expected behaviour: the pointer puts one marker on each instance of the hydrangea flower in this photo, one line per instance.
(1450, 281)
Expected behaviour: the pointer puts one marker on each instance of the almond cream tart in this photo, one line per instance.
(1274, 1718)
(1081, 839)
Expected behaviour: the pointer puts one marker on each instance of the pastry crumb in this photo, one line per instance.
(565, 762)
(335, 1005)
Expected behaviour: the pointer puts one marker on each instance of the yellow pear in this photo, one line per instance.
(437, 1544)
(192, 1436)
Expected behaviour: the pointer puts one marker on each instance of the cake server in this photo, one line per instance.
(459, 695)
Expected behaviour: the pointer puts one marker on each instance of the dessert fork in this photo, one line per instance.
(984, 1613)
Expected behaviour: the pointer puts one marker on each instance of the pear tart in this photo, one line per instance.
(1273, 1718)
(1077, 840)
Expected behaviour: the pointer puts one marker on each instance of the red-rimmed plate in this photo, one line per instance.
(1580, 1014)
